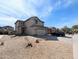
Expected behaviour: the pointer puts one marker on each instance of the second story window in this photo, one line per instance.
(36, 21)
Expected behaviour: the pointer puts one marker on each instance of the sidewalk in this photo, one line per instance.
(1, 36)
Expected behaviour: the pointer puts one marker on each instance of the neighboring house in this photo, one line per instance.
(31, 26)
(7, 30)
(53, 29)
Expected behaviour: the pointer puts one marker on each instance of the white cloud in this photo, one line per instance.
(63, 3)
(25, 7)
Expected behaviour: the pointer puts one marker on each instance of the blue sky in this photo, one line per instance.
(55, 13)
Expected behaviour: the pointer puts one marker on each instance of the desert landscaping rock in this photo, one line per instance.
(29, 45)
(37, 41)
(1, 43)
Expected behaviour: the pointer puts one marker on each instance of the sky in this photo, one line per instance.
(55, 13)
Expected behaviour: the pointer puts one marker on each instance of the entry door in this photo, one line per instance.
(23, 30)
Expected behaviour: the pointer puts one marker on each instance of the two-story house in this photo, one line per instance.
(31, 26)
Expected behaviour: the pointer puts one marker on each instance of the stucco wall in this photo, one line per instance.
(32, 22)
(29, 23)
(18, 28)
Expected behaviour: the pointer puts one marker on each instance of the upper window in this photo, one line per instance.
(36, 21)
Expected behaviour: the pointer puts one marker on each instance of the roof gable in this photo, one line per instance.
(18, 21)
(35, 18)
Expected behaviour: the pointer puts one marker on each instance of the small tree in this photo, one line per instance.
(66, 29)
(75, 28)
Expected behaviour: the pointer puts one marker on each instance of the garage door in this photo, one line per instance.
(40, 32)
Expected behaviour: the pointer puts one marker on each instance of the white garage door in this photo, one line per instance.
(40, 32)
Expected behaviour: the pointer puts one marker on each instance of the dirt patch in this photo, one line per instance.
(15, 48)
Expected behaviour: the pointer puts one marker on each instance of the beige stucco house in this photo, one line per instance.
(31, 26)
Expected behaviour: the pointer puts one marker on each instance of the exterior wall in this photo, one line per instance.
(30, 31)
(18, 27)
(40, 23)
(29, 23)
(18, 30)
(32, 22)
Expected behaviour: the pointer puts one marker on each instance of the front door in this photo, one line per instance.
(23, 30)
